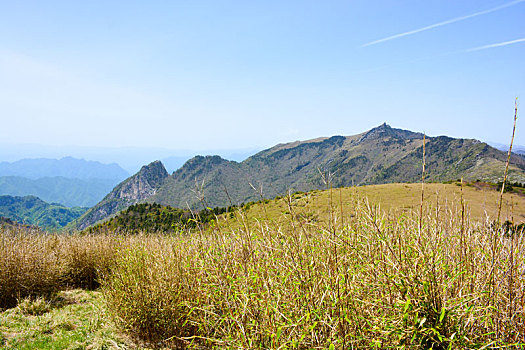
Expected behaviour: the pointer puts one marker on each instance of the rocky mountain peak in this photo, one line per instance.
(383, 126)
(384, 130)
(379, 131)
(138, 187)
(143, 184)
(154, 173)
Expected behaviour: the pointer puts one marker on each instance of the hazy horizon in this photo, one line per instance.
(132, 158)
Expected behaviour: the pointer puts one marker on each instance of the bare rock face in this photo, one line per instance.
(142, 185)
(137, 188)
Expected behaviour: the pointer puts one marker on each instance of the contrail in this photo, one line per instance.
(453, 20)
(505, 43)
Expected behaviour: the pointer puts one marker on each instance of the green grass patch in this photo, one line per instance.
(74, 319)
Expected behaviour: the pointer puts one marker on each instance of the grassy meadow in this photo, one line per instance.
(479, 200)
(352, 268)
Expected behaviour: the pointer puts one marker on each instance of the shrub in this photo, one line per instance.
(147, 292)
(30, 266)
(86, 258)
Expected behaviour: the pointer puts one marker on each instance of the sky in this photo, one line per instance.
(250, 74)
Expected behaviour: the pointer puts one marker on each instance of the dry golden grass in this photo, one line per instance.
(342, 269)
(86, 258)
(395, 199)
(29, 266)
(34, 264)
(372, 280)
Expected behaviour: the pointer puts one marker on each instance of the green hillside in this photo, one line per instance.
(6, 223)
(398, 199)
(154, 218)
(314, 207)
(381, 155)
(34, 211)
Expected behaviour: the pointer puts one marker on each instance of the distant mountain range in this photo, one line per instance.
(380, 155)
(518, 149)
(129, 158)
(68, 192)
(33, 211)
(68, 181)
(67, 167)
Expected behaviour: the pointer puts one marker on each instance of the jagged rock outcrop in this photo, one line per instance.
(137, 188)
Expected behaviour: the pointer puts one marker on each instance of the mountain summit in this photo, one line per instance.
(380, 155)
(384, 131)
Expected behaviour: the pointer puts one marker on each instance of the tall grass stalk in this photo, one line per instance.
(508, 160)
(375, 283)
(422, 186)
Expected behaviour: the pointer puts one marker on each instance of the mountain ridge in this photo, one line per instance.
(68, 167)
(380, 155)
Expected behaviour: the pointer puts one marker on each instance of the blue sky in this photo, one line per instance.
(250, 74)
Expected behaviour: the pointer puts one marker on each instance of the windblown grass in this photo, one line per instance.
(317, 270)
(372, 280)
